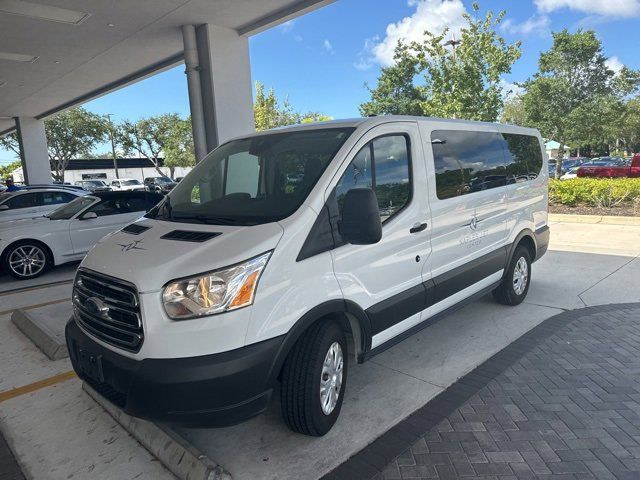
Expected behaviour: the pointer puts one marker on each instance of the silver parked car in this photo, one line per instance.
(35, 202)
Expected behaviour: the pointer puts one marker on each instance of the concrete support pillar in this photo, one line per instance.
(225, 90)
(33, 150)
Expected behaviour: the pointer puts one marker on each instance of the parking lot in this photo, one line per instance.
(57, 431)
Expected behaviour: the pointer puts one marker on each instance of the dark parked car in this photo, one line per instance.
(567, 164)
(159, 184)
(93, 186)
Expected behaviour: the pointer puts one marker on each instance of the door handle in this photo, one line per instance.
(418, 227)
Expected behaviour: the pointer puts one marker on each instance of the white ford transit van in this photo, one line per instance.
(283, 250)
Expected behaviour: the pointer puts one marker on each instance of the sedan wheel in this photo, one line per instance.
(26, 261)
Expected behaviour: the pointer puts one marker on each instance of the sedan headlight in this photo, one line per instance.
(215, 292)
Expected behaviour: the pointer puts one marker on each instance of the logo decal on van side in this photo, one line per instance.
(473, 224)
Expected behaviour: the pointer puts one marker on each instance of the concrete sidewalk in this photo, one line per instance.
(584, 267)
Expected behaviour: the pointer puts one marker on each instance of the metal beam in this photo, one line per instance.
(281, 16)
(165, 64)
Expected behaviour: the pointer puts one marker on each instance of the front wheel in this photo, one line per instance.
(26, 260)
(515, 284)
(313, 380)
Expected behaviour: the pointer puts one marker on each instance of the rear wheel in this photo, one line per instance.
(515, 284)
(26, 260)
(313, 380)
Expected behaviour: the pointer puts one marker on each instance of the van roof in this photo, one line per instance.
(381, 119)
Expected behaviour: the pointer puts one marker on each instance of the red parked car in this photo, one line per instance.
(610, 171)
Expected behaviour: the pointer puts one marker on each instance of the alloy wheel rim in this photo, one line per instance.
(27, 260)
(331, 378)
(520, 276)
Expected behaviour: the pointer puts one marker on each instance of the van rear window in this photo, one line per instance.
(466, 162)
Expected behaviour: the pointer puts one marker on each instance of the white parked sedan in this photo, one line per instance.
(35, 202)
(127, 184)
(29, 247)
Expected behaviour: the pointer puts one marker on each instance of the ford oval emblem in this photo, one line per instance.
(97, 307)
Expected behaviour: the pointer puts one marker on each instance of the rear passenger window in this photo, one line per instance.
(383, 166)
(55, 198)
(25, 200)
(467, 162)
(523, 157)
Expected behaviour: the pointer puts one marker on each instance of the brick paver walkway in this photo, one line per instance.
(562, 402)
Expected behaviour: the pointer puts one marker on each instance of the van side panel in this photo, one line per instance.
(528, 202)
(286, 293)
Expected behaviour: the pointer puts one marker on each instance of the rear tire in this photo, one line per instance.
(26, 260)
(314, 378)
(515, 284)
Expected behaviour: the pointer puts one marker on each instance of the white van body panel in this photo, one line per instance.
(233, 245)
(365, 275)
(369, 274)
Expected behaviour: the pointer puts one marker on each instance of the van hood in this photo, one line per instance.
(149, 261)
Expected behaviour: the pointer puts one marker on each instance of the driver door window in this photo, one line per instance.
(382, 165)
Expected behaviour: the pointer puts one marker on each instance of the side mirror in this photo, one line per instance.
(4, 207)
(361, 224)
(89, 216)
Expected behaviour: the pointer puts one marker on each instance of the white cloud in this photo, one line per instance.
(365, 60)
(609, 8)
(614, 64)
(286, 27)
(432, 15)
(328, 47)
(510, 90)
(537, 24)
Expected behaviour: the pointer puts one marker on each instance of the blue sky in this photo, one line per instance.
(331, 53)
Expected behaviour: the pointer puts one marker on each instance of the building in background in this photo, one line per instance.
(102, 169)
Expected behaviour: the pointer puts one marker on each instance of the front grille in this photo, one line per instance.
(108, 308)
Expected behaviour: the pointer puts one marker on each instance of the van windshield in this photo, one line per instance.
(254, 180)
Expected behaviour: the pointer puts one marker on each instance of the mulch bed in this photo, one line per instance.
(624, 210)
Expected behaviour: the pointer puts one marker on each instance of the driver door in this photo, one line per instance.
(112, 214)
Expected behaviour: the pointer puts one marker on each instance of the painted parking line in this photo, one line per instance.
(38, 305)
(35, 386)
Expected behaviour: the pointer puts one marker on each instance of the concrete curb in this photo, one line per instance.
(594, 219)
(174, 452)
(40, 334)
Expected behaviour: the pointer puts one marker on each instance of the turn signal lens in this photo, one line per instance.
(245, 295)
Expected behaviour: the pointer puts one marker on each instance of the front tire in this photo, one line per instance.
(26, 260)
(515, 284)
(313, 380)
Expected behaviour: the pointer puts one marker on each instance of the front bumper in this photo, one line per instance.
(209, 391)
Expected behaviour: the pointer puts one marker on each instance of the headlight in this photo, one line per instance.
(215, 292)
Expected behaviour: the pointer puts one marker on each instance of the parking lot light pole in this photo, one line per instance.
(113, 145)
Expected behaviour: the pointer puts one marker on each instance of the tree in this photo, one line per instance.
(72, 134)
(461, 78)
(574, 92)
(148, 137)
(513, 112)
(629, 132)
(396, 93)
(5, 170)
(269, 112)
(178, 149)
(10, 142)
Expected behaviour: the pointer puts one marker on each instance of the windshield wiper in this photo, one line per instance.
(207, 219)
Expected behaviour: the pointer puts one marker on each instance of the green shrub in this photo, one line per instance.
(596, 192)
